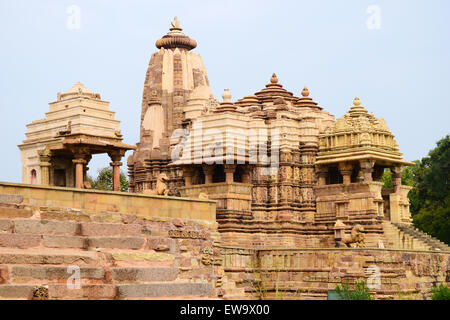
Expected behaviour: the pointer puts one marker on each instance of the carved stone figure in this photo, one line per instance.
(161, 186)
(87, 185)
(356, 238)
(203, 196)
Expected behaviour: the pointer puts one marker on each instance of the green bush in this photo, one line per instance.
(440, 293)
(361, 291)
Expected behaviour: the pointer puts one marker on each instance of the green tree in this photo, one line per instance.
(104, 180)
(361, 291)
(440, 293)
(407, 176)
(430, 196)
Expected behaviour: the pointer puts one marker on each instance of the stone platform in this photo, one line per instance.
(130, 246)
(124, 246)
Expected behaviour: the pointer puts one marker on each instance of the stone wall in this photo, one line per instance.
(95, 201)
(310, 273)
(126, 246)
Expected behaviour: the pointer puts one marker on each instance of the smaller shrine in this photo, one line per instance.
(58, 148)
(353, 154)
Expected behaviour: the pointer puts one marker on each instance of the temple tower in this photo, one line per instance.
(176, 90)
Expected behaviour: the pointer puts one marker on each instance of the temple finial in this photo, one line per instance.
(305, 92)
(356, 101)
(274, 78)
(226, 95)
(175, 23)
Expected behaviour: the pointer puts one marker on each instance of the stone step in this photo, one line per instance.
(139, 257)
(16, 291)
(143, 274)
(21, 273)
(46, 256)
(11, 212)
(56, 241)
(153, 290)
(20, 240)
(82, 292)
(116, 242)
(37, 226)
(110, 229)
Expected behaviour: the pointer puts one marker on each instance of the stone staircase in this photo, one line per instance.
(405, 236)
(232, 292)
(434, 243)
(44, 251)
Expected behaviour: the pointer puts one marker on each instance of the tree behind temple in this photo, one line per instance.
(431, 192)
(104, 180)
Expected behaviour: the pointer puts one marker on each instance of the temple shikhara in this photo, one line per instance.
(225, 196)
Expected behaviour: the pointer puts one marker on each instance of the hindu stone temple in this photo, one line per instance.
(315, 171)
(226, 198)
(59, 147)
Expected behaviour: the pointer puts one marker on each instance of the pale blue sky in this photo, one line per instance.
(400, 71)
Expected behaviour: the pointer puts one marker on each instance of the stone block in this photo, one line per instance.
(164, 290)
(20, 240)
(11, 198)
(116, 242)
(5, 225)
(54, 272)
(46, 257)
(157, 243)
(66, 216)
(86, 291)
(13, 213)
(110, 229)
(142, 256)
(51, 241)
(45, 226)
(4, 274)
(16, 291)
(144, 274)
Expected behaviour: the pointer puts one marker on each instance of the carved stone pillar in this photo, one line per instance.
(116, 164)
(86, 168)
(345, 169)
(188, 173)
(45, 157)
(322, 173)
(367, 169)
(208, 171)
(308, 152)
(229, 172)
(45, 173)
(246, 177)
(397, 178)
(79, 172)
(116, 174)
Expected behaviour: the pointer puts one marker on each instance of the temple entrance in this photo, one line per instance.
(59, 178)
(218, 174)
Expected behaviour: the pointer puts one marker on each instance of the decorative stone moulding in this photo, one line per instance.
(274, 90)
(176, 38)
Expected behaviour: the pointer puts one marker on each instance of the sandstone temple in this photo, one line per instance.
(228, 199)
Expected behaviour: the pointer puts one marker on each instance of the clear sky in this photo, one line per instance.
(393, 54)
